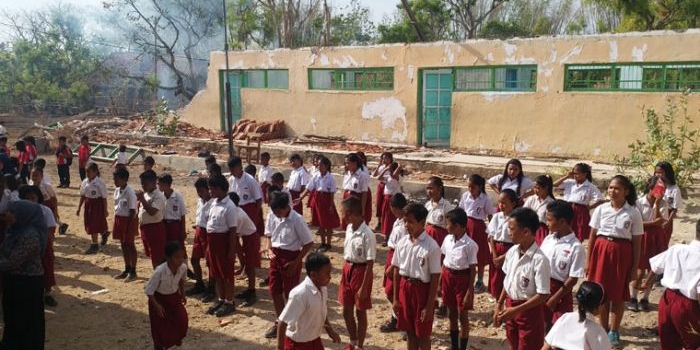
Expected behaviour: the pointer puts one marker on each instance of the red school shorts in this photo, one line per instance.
(94, 216)
(566, 303)
(154, 239)
(454, 286)
(299, 208)
(679, 320)
(280, 282)
(412, 298)
(351, 284)
(173, 229)
(526, 330)
(199, 244)
(125, 228)
(254, 211)
(251, 250)
(315, 344)
(220, 264)
(389, 278)
(170, 330)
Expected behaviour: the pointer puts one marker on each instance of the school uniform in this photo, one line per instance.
(672, 196)
(570, 334)
(311, 201)
(566, 259)
(125, 226)
(360, 248)
(391, 187)
(164, 286)
(305, 315)
(251, 241)
(580, 195)
(222, 218)
(679, 311)
(654, 236)
(381, 184)
(354, 184)
(63, 154)
(121, 160)
(23, 160)
(175, 209)
(265, 180)
(298, 179)
(525, 185)
(152, 227)
(435, 223)
(287, 237)
(498, 231)
(368, 199)
(460, 255)
(540, 207)
(417, 261)
(83, 159)
(478, 210)
(526, 276)
(324, 188)
(95, 193)
(611, 258)
(48, 259)
(397, 233)
(199, 244)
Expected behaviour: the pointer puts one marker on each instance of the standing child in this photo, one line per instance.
(500, 241)
(93, 193)
(298, 179)
(397, 202)
(311, 203)
(151, 211)
(381, 174)
(526, 286)
(22, 160)
(323, 185)
(613, 251)
(368, 200)
(416, 263)
(672, 196)
(175, 211)
(84, 152)
(512, 178)
(543, 195)
(122, 158)
(278, 185)
(199, 244)
(148, 164)
(3, 145)
(438, 206)
(355, 183)
(250, 250)
(457, 278)
(583, 195)
(248, 190)
(47, 192)
(64, 159)
(166, 300)
(125, 222)
(392, 185)
(477, 204)
(265, 174)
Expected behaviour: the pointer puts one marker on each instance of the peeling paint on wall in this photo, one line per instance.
(613, 50)
(555, 149)
(384, 56)
(449, 54)
(572, 53)
(489, 57)
(520, 146)
(390, 111)
(347, 62)
(510, 49)
(638, 53)
(313, 123)
(324, 60)
(596, 152)
(491, 96)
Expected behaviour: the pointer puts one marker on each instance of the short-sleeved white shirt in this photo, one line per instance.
(498, 228)
(245, 226)
(360, 245)
(356, 182)
(175, 207)
(566, 256)
(164, 281)
(478, 208)
(122, 158)
(580, 193)
(265, 174)
(48, 216)
(647, 210)
(672, 196)
(157, 201)
(290, 233)
(202, 214)
(380, 177)
(306, 311)
(247, 189)
(437, 211)
(47, 192)
(419, 259)
(526, 275)
(680, 265)
(93, 189)
(124, 201)
(539, 206)
(5, 200)
(398, 231)
(297, 179)
(460, 254)
(391, 186)
(623, 223)
(222, 216)
(570, 334)
(322, 183)
(525, 185)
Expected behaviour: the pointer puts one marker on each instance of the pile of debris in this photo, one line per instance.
(258, 131)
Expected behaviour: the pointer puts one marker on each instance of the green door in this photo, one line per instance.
(234, 79)
(437, 104)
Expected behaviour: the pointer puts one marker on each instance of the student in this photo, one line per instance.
(579, 330)
(392, 185)
(248, 190)
(438, 206)
(512, 178)
(323, 185)
(6, 164)
(213, 170)
(526, 286)
(679, 311)
(224, 247)
(382, 175)
(3, 145)
(151, 211)
(125, 222)
(175, 211)
(251, 170)
(31, 149)
(566, 260)
(278, 185)
(654, 212)
(500, 241)
(265, 174)
(208, 161)
(298, 179)
(300, 324)
(199, 244)
(457, 278)
(148, 164)
(543, 195)
(93, 193)
(672, 196)
(84, 152)
(122, 158)
(289, 240)
(355, 183)
(64, 159)
(613, 251)
(47, 192)
(583, 195)
(23, 161)
(368, 200)
(311, 203)
(166, 300)
(397, 202)
(477, 204)
(250, 251)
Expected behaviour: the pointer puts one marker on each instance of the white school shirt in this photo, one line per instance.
(306, 311)
(247, 189)
(122, 158)
(478, 208)
(398, 231)
(265, 174)
(647, 210)
(297, 178)
(356, 182)
(539, 206)
(48, 217)
(5, 200)
(498, 228)
(582, 193)
(164, 281)
(380, 177)
(290, 233)
(459, 254)
(672, 196)
(570, 334)
(419, 259)
(322, 183)
(175, 207)
(14, 196)
(566, 256)
(525, 185)
(245, 226)
(45, 180)
(93, 189)
(157, 201)
(124, 201)
(47, 192)
(360, 245)
(623, 223)
(202, 214)
(680, 265)
(392, 186)
(222, 216)
(437, 211)
(526, 275)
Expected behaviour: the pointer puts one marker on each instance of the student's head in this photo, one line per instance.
(435, 189)
(264, 158)
(387, 158)
(174, 253)
(61, 141)
(31, 193)
(165, 182)
(543, 186)
(513, 171)
(210, 159)
(507, 201)
(11, 182)
(476, 184)
(664, 170)
(121, 177)
(352, 162)
(315, 158)
(233, 196)
(20, 146)
(456, 221)
(351, 209)
(277, 180)
(92, 171)
(522, 225)
(40, 163)
(622, 190)
(214, 169)
(202, 188)
(318, 268)
(3, 140)
(37, 175)
(148, 180)
(250, 169)
(30, 140)
(397, 203)
(324, 165)
(122, 148)
(235, 166)
(279, 204)
(218, 186)
(589, 296)
(363, 158)
(414, 218)
(84, 140)
(296, 161)
(582, 172)
(148, 163)
(559, 216)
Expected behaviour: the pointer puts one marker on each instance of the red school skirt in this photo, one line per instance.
(311, 204)
(476, 229)
(541, 233)
(389, 278)
(581, 221)
(496, 274)
(667, 236)
(325, 211)
(566, 303)
(94, 216)
(652, 245)
(388, 217)
(154, 238)
(611, 261)
(380, 200)
(125, 228)
(254, 212)
(299, 208)
(438, 233)
(170, 330)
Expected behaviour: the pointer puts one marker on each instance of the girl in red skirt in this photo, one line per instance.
(166, 299)
(323, 185)
(368, 199)
(672, 196)
(385, 161)
(580, 191)
(543, 196)
(298, 179)
(356, 183)
(392, 186)
(438, 206)
(477, 204)
(613, 251)
(265, 174)
(500, 240)
(513, 178)
(397, 202)
(93, 193)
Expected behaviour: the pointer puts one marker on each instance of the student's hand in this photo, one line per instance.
(77, 212)
(507, 314)
(632, 275)
(427, 312)
(362, 294)
(498, 262)
(139, 195)
(296, 201)
(552, 302)
(335, 337)
(290, 267)
(160, 311)
(496, 313)
(388, 270)
(665, 224)
(270, 253)
(468, 301)
(396, 306)
(183, 299)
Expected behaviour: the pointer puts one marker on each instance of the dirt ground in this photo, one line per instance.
(97, 312)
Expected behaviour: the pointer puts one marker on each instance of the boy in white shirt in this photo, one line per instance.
(199, 243)
(298, 179)
(125, 222)
(175, 210)
(151, 208)
(250, 248)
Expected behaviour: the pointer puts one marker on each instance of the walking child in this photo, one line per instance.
(368, 200)
(298, 179)
(84, 152)
(385, 161)
(355, 183)
(477, 204)
(398, 202)
(199, 244)
(543, 195)
(672, 196)
(64, 159)
(122, 158)
(151, 211)
(583, 195)
(175, 211)
(512, 178)
(93, 193)
(438, 206)
(499, 240)
(126, 223)
(323, 185)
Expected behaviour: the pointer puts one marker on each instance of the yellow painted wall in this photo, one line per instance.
(546, 122)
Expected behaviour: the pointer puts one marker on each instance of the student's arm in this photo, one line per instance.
(181, 290)
(363, 198)
(569, 284)
(335, 337)
(363, 293)
(80, 205)
(560, 181)
(148, 207)
(500, 303)
(234, 246)
(160, 311)
(183, 222)
(497, 261)
(494, 188)
(281, 330)
(510, 312)
(468, 301)
(104, 203)
(547, 347)
(589, 249)
(53, 205)
(636, 252)
(291, 266)
(429, 307)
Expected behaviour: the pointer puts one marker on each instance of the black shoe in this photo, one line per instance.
(191, 275)
(441, 311)
(122, 275)
(265, 282)
(93, 249)
(250, 300)
(217, 305)
(244, 294)
(378, 227)
(389, 326)
(644, 305)
(271, 332)
(208, 297)
(633, 305)
(105, 237)
(131, 276)
(225, 310)
(62, 229)
(198, 288)
(50, 301)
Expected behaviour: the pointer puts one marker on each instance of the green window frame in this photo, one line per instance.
(265, 79)
(354, 79)
(632, 77)
(496, 78)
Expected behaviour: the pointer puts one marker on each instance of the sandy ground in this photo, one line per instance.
(116, 317)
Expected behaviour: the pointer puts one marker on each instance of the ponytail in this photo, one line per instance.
(589, 296)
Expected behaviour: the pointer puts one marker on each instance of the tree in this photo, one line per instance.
(351, 25)
(416, 21)
(470, 15)
(523, 18)
(655, 14)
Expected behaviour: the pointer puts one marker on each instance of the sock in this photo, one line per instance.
(646, 294)
(633, 293)
(464, 343)
(454, 340)
(353, 342)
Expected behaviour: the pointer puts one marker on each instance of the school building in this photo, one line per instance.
(569, 96)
